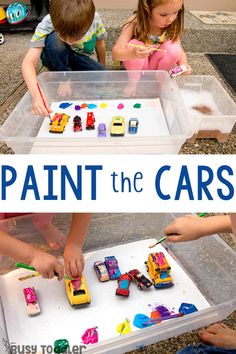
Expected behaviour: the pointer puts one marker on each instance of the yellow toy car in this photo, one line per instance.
(77, 292)
(58, 123)
(117, 126)
(159, 270)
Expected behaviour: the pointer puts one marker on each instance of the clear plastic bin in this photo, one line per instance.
(206, 92)
(209, 262)
(20, 131)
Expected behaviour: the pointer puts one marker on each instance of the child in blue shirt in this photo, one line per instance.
(65, 40)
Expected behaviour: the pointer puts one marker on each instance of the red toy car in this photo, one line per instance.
(141, 281)
(123, 285)
(77, 124)
(90, 121)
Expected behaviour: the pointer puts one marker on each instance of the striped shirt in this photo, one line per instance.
(86, 45)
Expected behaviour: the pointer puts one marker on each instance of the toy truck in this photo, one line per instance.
(159, 270)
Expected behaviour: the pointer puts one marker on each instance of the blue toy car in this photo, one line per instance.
(133, 125)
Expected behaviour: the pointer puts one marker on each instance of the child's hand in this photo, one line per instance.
(186, 228)
(74, 260)
(65, 89)
(38, 107)
(142, 52)
(46, 265)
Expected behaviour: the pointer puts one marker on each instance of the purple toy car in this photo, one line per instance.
(102, 130)
(112, 267)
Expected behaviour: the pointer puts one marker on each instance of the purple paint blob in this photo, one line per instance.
(65, 105)
(77, 107)
(163, 311)
(120, 106)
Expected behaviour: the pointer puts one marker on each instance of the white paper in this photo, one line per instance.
(151, 118)
(106, 311)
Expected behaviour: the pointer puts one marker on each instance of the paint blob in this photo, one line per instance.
(91, 106)
(124, 327)
(120, 106)
(103, 105)
(137, 105)
(187, 308)
(65, 105)
(90, 336)
(84, 105)
(77, 107)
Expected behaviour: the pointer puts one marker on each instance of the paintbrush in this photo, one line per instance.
(176, 315)
(201, 215)
(26, 266)
(157, 242)
(143, 46)
(44, 103)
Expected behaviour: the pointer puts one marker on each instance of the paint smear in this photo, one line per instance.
(90, 336)
(124, 327)
(137, 105)
(92, 105)
(65, 105)
(103, 105)
(120, 106)
(84, 105)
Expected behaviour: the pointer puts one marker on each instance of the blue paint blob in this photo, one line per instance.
(187, 308)
(91, 105)
(65, 105)
(140, 321)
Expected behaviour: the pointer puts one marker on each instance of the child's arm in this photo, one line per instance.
(73, 256)
(122, 52)
(184, 61)
(101, 51)
(192, 227)
(29, 74)
(44, 263)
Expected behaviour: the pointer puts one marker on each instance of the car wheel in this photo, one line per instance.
(2, 40)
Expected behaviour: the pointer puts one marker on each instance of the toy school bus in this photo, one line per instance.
(58, 123)
(159, 270)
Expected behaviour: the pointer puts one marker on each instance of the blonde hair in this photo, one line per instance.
(142, 17)
(71, 19)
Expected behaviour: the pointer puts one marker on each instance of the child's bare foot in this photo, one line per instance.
(65, 89)
(53, 236)
(219, 335)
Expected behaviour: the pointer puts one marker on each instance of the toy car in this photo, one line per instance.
(178, 70)
(102, 130)
(31, 299)
(123, 285)
(133, 125)
(118, 126)
(90, 121)
(101, 271)
(77, 292)
(112, 267)
(77, 124)
(141, 281)
(159, 270)
(58, 123)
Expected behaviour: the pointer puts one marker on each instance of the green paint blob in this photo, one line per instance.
(61, 345)
(137, 105)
